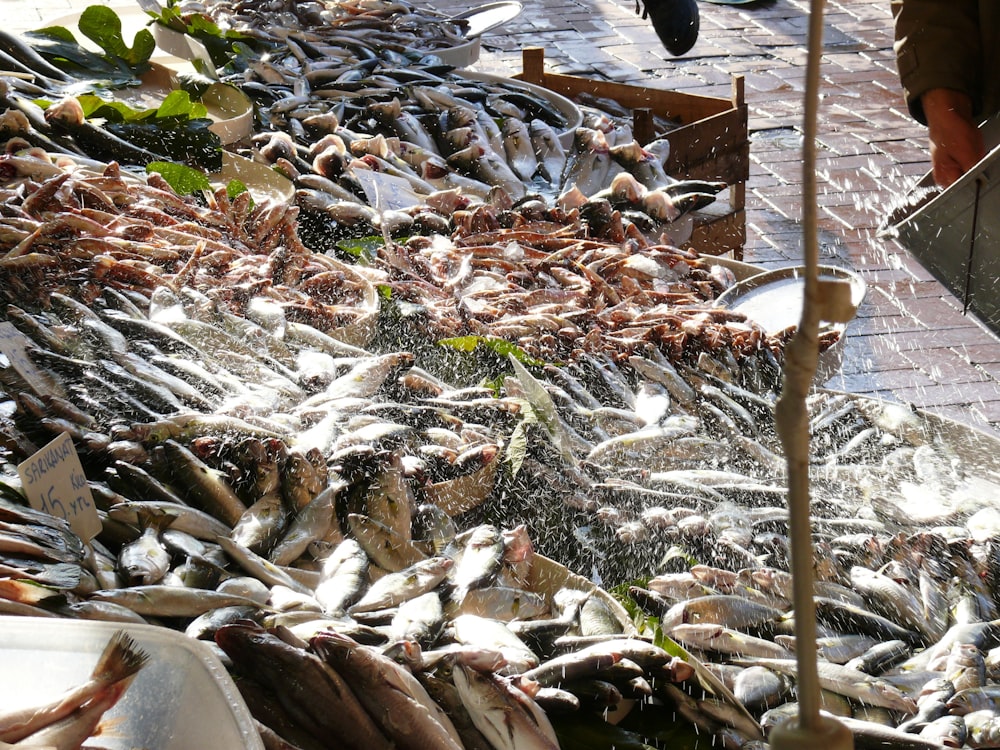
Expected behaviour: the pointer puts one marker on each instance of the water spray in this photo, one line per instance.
(821, 301)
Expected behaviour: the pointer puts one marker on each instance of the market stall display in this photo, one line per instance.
(431, 454)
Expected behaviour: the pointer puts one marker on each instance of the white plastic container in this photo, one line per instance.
(183, 698)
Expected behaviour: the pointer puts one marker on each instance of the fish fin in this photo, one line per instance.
(120, 659)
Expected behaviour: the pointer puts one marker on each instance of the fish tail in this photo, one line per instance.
(121, 659)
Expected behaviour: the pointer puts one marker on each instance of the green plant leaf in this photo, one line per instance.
(500, 346)
(225, 47)
(102, 25)
(362, 247)
(179, 106)
(183, 179)
(58, 45)
(95, 107)
(57, 33)
(517, 447)
(234, 188)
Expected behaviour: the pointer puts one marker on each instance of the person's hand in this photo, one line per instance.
(955, 142)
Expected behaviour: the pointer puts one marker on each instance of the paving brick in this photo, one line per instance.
(951, 394)
(870, 382)
(946, 366)
(982, 354)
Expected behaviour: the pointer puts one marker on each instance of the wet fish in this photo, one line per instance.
(479, 560)
(314, 695)
(518, 149)
(507, 717)
(847, 682)
(397, 587)
(391, 694)
(342, 577)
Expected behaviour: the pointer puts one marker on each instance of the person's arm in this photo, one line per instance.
(955, 142)
(940, 67)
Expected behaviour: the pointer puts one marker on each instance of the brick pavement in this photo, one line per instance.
(910, 341)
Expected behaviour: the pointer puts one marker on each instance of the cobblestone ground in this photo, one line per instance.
(910, 341)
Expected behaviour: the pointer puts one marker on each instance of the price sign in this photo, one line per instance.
(54, 482)
(12, 346)
(386, 192)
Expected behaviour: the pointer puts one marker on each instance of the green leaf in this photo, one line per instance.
(58, 45)
(183, 179)
(60, 33)
(170, 17)
(178, 105)
(500, 346)
(517, 447)
(361, 247)
(234, 188)
(225, 47)
(95, 107)
(102, 25)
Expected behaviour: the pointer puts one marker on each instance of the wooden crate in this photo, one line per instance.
(711, 142)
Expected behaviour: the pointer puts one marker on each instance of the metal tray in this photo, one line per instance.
(936, 226)
(774, 298)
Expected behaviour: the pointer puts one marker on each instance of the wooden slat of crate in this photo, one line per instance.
(711, 142)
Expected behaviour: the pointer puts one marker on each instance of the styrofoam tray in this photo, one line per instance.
(182, 698)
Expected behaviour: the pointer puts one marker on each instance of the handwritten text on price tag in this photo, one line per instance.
(54, 482)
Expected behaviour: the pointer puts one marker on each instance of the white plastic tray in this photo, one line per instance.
(773, 299)
(183, 698)
(485, 18)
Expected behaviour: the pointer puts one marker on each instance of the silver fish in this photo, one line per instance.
(505, 715)
(548, 150)
(419, 619)
(847, 682)
(711, 637)
(479, 560)
(342, 577)
(517, 146)
(391, 694)
(395, 588)
(587, 163)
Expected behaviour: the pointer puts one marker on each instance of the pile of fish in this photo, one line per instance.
(363, 133)
(262, 446)
(365, 27)
(428, 129)
(72, 717)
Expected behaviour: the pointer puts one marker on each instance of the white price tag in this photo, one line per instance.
(54, 482)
